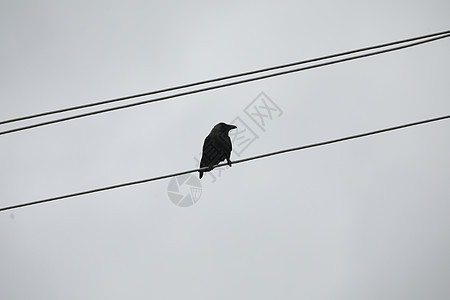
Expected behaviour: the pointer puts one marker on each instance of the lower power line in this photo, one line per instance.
(224, 164)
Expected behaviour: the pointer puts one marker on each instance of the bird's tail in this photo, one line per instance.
(201, 174)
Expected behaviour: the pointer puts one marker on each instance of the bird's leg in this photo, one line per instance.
(229, 162)
(210, 168)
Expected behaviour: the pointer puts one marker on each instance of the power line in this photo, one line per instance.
(220, 78)
(234, 162)
(228, 84)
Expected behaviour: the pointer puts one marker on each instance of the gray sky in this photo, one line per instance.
(365, 219)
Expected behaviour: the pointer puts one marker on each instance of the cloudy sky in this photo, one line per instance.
(364, 219)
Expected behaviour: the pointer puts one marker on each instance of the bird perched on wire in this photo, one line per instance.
(217, 147)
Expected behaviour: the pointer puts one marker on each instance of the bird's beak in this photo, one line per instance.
(232, 127)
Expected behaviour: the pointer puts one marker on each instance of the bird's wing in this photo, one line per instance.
(207, 143)
(206, 157)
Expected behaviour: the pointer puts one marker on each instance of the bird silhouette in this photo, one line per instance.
(217, 147)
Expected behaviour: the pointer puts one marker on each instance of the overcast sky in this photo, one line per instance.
(364, 219)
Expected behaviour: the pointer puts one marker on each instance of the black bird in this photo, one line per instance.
(217, 147)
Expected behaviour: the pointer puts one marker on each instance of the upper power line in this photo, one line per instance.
(411, 42)
(342, 139)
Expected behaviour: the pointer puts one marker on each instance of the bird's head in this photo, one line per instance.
(223, 127)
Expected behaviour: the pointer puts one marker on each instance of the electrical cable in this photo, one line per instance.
(218, 86)
(220, 78)
(234, 162)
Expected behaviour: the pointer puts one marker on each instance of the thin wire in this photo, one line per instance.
(221, 85)
(234, 162)
(219, 78)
